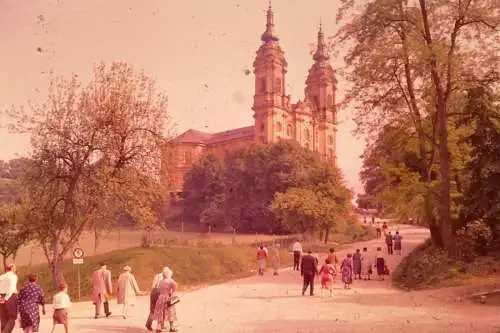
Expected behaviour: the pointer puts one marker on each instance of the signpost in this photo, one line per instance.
(78, 260)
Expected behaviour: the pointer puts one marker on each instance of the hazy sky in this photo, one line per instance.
(198, 51)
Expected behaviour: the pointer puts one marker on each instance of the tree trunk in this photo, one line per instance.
(55, 269)
(4, 259)
(327, 233)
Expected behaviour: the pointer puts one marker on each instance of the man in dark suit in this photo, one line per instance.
(308, 269)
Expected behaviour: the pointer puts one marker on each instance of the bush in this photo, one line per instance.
(425, 265)
(474, 239)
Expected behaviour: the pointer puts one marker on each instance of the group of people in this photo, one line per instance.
(30, 300)
(360, 265)
(162, 296)
(27, 303)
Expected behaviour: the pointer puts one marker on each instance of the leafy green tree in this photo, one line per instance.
(203, 188)
(415, 81)
(482, 192)
(97, 149)
(15, 229)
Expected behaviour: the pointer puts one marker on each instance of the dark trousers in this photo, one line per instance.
(152, 304)
(308, 282)
(296, 260)
(98, 307)
(8, 314)
(389, 249)
(379, 234)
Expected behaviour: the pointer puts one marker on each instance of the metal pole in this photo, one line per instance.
(78, 272)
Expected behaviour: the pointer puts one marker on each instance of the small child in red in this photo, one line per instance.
(327, 274)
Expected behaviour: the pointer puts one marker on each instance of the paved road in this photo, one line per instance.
(274, 304)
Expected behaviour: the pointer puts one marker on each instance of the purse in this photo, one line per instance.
(173, 300)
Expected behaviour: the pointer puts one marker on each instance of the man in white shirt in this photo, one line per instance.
(297, 253)
(8, 299)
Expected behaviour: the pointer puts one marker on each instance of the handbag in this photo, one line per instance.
(173, 300)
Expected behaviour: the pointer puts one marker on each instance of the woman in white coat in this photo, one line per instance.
(127, 290)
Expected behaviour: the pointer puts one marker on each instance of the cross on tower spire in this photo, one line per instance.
(269, 34)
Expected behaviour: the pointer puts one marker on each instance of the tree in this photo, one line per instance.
(417, 78)
(14, 229)
(96, 151)
(299, 210)
(203, 185)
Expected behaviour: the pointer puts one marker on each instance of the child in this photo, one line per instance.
(62, 303)
(327, 273)
(380, 264)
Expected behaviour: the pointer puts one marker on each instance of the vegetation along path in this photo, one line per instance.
(274, 304)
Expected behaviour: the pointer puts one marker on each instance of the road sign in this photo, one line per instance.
(77, 261)
(78, 253)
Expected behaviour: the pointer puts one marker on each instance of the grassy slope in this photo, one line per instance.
(192, 266)
(427, 267)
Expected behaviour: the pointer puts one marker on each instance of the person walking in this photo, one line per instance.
(261, 259)
(346, 269)
(366, 264)
(297, 253)
(379, 231)
(397, 243)
(29, 301)
(327, 274)
(8, 299)
(356, 264)
(127, 290)
(165, 305)
(380, 264)
(153, 297)
(276, 259)
(102, 288)
(61, 304)
(388, 242)
(308, 270)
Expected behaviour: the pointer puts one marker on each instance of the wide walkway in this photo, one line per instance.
(274, 304)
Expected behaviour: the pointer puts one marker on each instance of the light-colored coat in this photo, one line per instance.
(101, 285)
(127, 288)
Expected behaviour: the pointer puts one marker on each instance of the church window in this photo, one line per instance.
(278, 86)
(188, 157)
(289, 130)
(307, 134)
(316, 101)
(279, 128)
(330, 139)
(262, 127)
(330, 100)
(330, 153)
(263, 85)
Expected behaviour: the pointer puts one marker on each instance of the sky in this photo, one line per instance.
(199, 53)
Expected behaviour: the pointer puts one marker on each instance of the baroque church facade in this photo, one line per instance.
(311, 122)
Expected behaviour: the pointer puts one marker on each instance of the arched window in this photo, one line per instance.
(330, 154)
(279, 128)
(262, 127)
(307, 134)
(278, 86)
(262, 85)
(330, 100)
(289, 130)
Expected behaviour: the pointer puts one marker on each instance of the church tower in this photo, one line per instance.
(320, 90)
(270, 104)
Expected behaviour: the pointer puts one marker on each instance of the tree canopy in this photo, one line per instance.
(240, 191)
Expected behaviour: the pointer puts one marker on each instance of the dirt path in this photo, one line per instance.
(273, 304)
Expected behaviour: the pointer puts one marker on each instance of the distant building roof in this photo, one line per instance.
(194, 136)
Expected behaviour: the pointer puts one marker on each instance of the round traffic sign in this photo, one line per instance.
(78, 253)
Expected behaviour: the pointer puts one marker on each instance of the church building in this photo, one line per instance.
(311, 122)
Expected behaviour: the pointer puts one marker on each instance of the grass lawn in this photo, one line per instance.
(192, 266)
